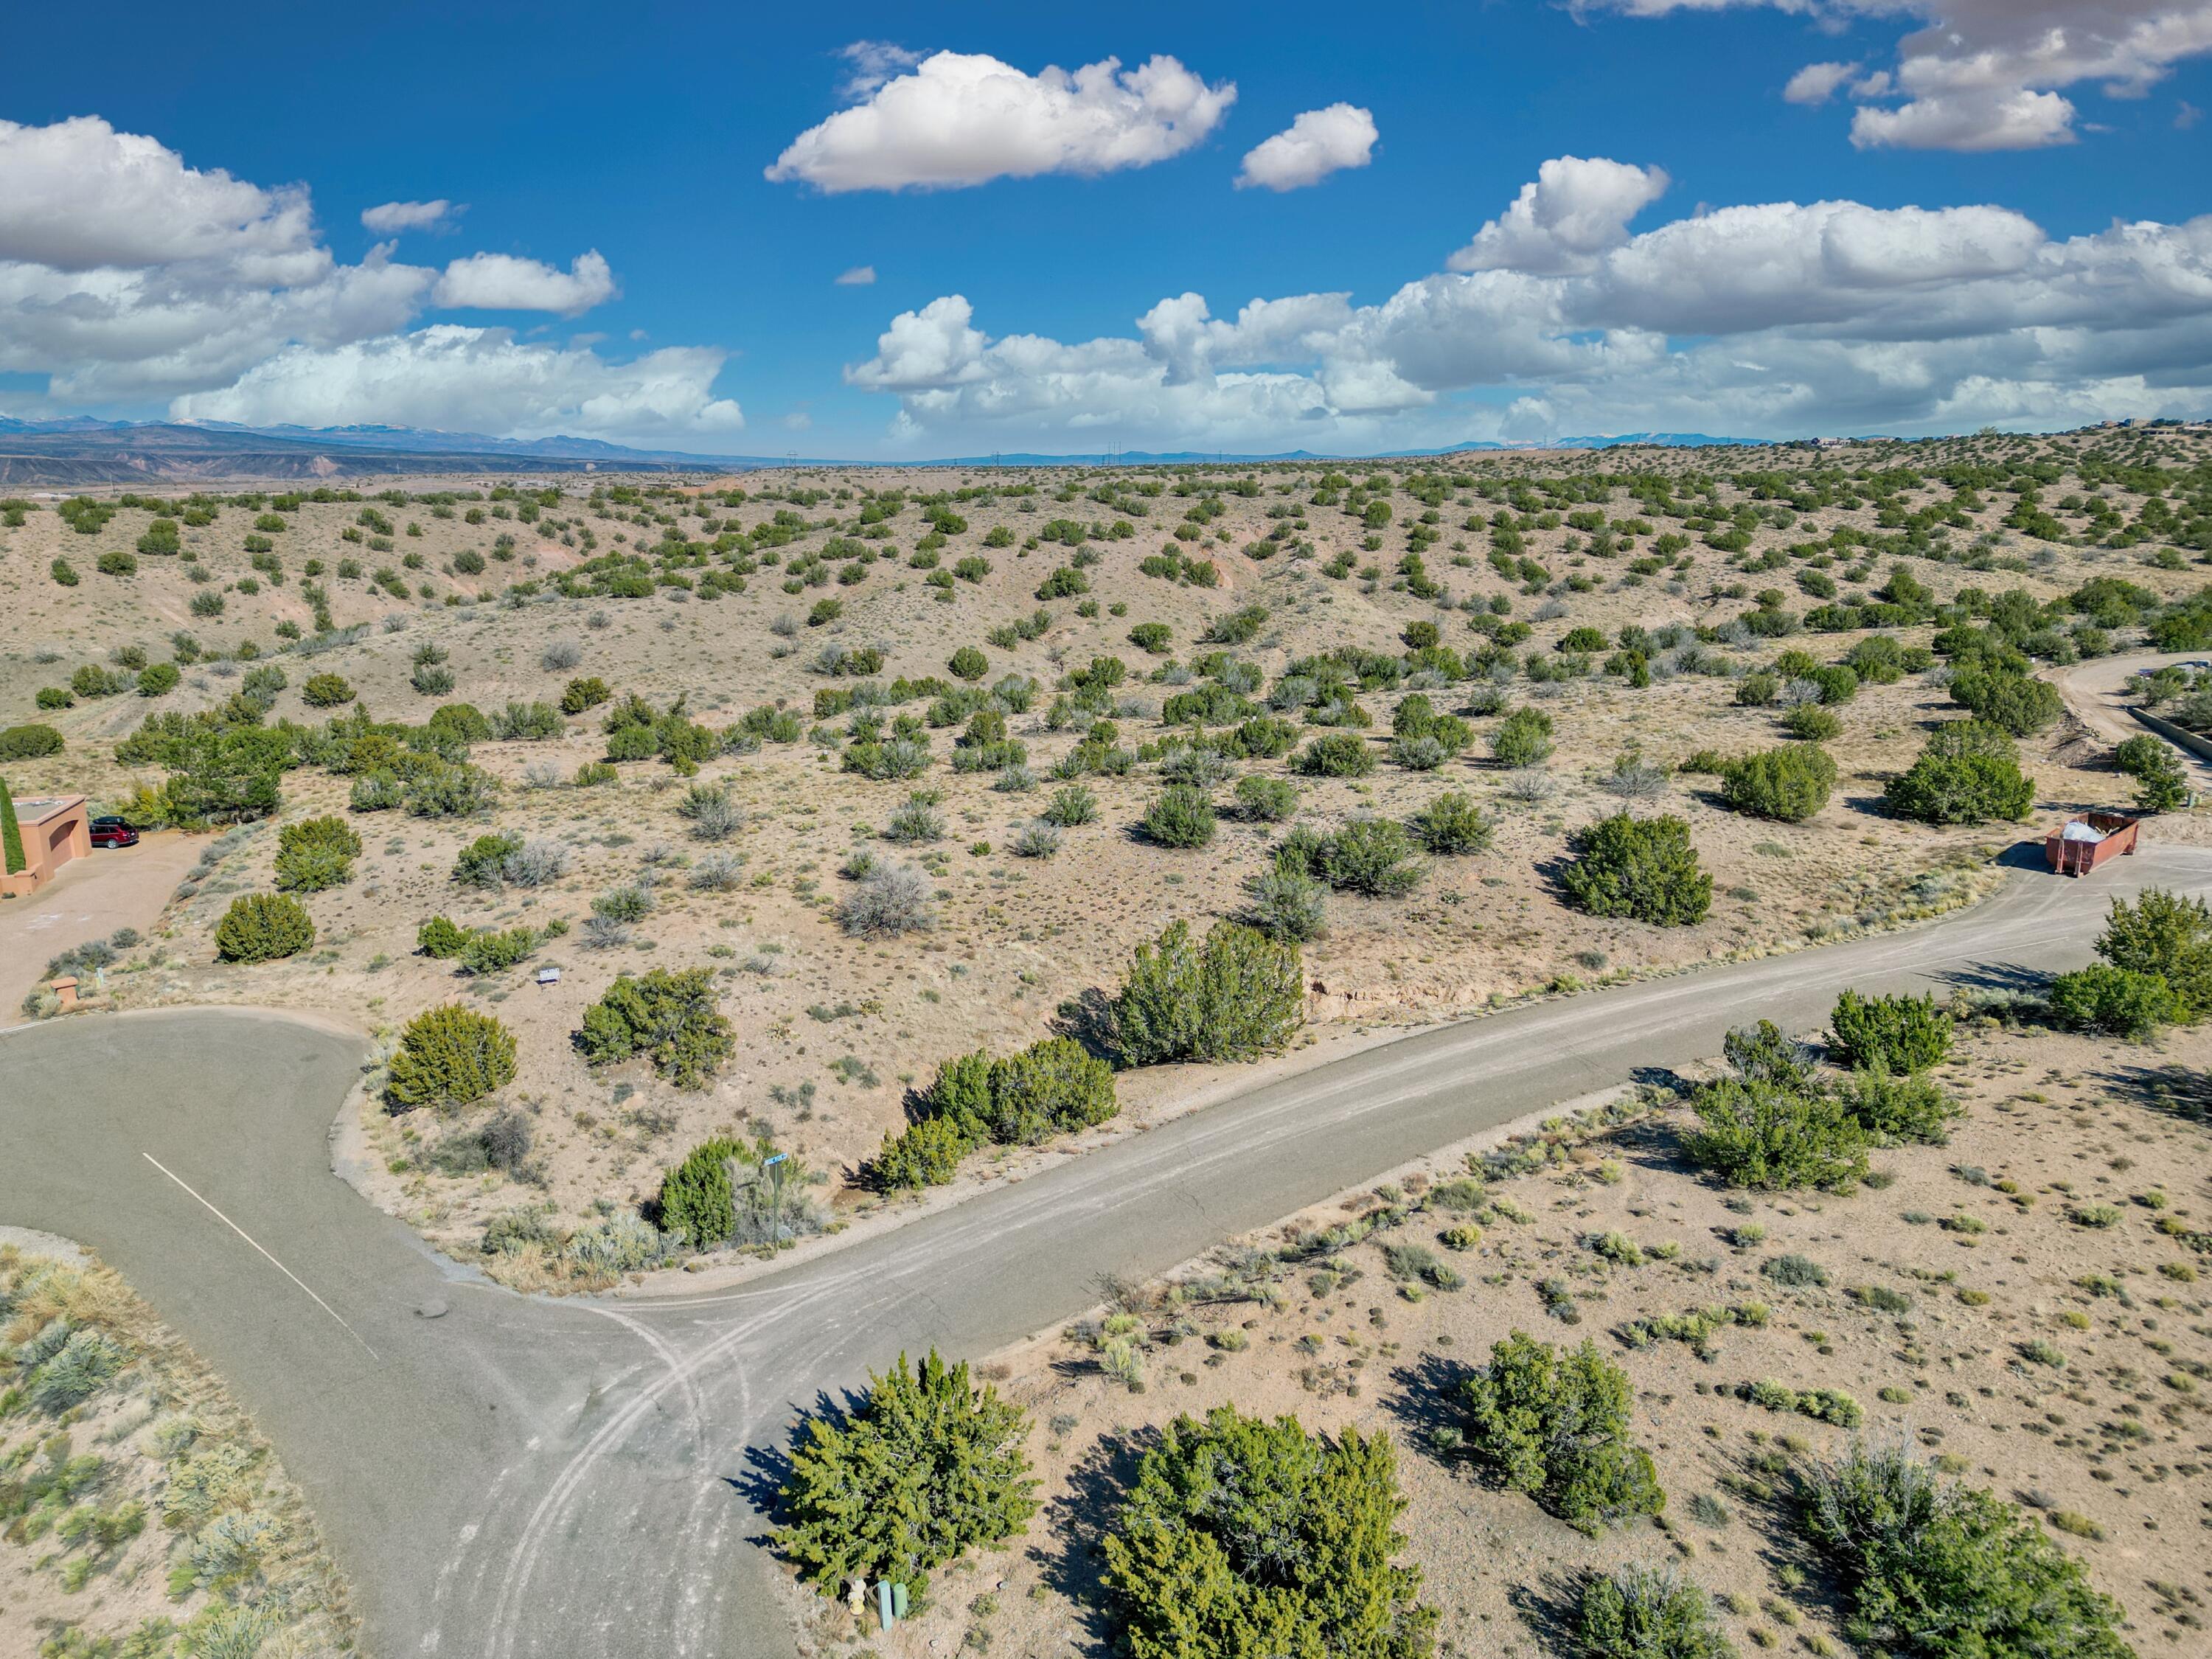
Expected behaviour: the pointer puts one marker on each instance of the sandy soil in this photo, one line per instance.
(205, 1532)
(832, 1031)
(2111, 1447)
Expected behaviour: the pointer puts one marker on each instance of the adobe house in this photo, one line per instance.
(54, 829)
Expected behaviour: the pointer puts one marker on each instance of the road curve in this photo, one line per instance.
(521, 1478)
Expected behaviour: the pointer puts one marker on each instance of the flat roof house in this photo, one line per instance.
(55, 828)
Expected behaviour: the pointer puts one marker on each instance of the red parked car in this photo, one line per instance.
(112, 832)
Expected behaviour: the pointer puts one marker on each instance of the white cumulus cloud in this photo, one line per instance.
(961, 118)
(1573, 209)
(1318, 143)
(130, 279)
(501, 282)
(1987, 74)
(79, 195)
(477, 379)
(1817, 82)
(1776, 319)
(391, 218)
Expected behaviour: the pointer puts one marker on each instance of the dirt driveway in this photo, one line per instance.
(2095, 691)
(125, 887)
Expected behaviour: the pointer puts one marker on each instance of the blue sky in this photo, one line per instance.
(1977, 278)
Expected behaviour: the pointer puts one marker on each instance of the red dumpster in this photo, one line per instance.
(2079, 845)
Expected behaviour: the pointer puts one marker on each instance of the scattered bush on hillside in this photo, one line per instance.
(449, 1056)
(669, 1017)
(1555, 1425)
(928, 1466)
(315, 853)
(262, 928)
(1237, 995)
(1242, 1536)
(1642, 868)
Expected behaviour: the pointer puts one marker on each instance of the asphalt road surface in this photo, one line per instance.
(512, 1477)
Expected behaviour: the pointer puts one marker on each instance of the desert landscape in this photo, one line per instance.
(760, 608)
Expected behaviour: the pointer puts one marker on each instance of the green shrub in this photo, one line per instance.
(29, 742)
(1181, 817)
(1788, 784)
(1770, 1137)
(1150, 636)
(697, 1202)
(1968, 773)
(1646, 1613)
(2116, 1001)
(1452, 825)
(491, 951)
(671, 1018)
(1236, 996)
(928, 1466)
(1932, 1571)
(2013, 702)
(1904, 1033)
(159, 679)
(449, 1056)
(588, 692)
(1642, 868)
(2162, 781)
(969, 663)
(1899, 1106)
(315, 853)
(1286, 903)
(442, 938)
(1555, 1426)
(2163, 933)
(1809, 722)
(1052, 1087)
(1265, 800)
(1071, 805)
(325, 692)
(1243, 1537)
(1372, 856)
(262, 927)
(924, 1154)
(1522, 738)
(483, 862)
(12, 861)
(1338, 754)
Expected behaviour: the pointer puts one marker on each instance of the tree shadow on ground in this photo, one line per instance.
(2016, 978)
(2176, 1091)
(1079, 1521)
(768, 1467)
(1424, 1397)
(1547, 1607)
(1088, 1017)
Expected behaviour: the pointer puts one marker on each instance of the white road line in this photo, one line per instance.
(271, 1259)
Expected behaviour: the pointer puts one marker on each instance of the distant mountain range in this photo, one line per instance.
(82, 451)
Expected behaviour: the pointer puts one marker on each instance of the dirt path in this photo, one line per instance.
(2094, 690)
(125, 887)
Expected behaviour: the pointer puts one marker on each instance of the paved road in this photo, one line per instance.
(508, 1477)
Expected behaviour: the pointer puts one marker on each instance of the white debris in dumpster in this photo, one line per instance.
(2082, 829)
